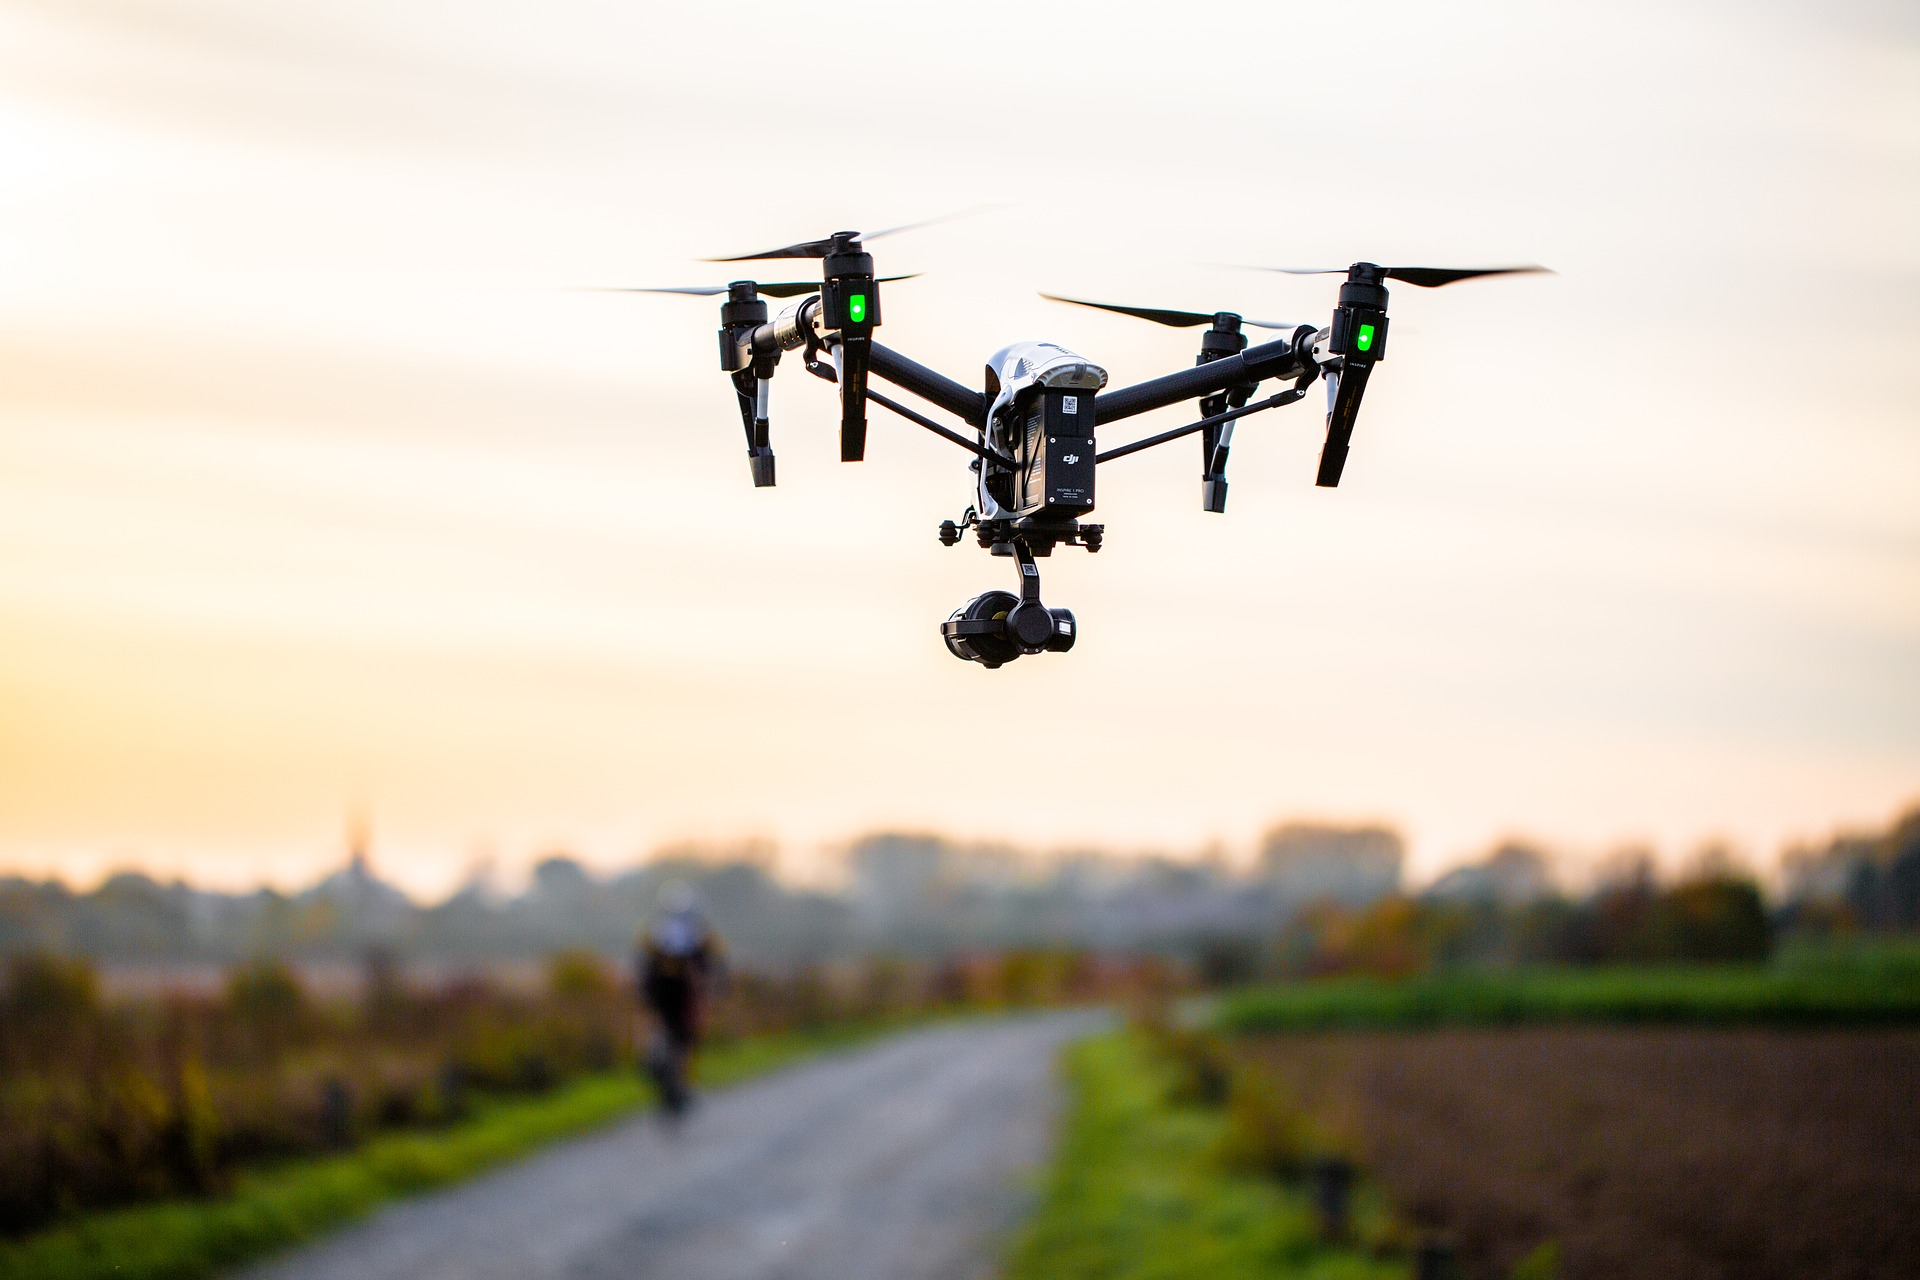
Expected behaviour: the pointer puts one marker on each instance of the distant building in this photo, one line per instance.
(1305, 862)
(367, 907)
(1511, 875)
(898, 878)
(560, 881)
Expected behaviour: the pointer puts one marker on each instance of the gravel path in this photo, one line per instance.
(903, 1160)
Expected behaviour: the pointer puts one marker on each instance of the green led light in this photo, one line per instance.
(1365, 339)
(857, 308)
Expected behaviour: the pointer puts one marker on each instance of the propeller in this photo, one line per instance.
(821, 248)
(1357, 339)
(1177, 319)
(1423, 277)
(788, 289)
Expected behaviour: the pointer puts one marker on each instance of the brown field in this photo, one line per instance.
(1645, 1152)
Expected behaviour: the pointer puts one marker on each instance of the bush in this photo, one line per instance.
(1266, 1131)
(265, 990)
(43, 989)
(1719, 919)
(580, 975)
(1202, 1071)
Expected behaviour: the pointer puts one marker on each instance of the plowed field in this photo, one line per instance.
(1708, 1154)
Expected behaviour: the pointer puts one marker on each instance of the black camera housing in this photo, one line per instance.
(996, 627)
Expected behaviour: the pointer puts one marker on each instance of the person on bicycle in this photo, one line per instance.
(679, 961)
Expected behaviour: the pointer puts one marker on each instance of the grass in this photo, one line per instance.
(1874, 989)
(271, 1209)
(1137, 1191)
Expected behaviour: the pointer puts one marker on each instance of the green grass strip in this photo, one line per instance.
(1136, 1191)
(271, 1209)
(1806, 996)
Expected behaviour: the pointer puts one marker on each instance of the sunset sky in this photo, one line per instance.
(324, 489)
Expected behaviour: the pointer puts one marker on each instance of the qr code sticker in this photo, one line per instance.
(1069, 404)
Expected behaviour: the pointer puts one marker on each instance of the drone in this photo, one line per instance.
(1033, 424)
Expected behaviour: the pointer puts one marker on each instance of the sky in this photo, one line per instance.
(328, 488)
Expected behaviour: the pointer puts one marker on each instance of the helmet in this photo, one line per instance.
(682, 927)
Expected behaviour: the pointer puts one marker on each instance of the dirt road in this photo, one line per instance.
(902, 1160)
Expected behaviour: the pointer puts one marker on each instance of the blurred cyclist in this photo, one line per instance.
(678, 962)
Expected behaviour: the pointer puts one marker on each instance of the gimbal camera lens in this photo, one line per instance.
(986, 644)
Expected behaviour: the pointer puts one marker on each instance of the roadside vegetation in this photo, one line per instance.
(172, 1136)
(272, 1208)
(1166, 1169)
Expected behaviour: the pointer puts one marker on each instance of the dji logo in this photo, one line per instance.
(1071, 458)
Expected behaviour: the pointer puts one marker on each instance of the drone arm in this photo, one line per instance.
(944, 433)
(935, 388)
(1274, 401)
(1282, 358)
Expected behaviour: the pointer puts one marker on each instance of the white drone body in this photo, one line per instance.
(1015, 375)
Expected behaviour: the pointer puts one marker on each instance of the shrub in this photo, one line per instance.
(42, 988)
(580, 975)
(1267, 1132)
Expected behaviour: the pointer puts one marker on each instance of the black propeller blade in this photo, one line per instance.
(1423, 277)
(1177, 319)
(820, 248)
(789, 289)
